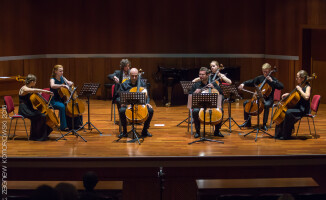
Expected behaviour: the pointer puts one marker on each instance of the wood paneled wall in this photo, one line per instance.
(144, 26)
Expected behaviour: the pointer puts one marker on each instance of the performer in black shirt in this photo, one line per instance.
(268, 101)
(120, 76)
(196, 88)
(124, 87)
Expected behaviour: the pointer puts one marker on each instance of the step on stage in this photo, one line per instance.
(168, 150)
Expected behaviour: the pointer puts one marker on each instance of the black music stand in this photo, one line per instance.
(87, 90)
(258, 129)
(186, 86)
(73, 131)
(205, 100)
(133, 98)
(231, 92)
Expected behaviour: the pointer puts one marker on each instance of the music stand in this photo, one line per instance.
(258, 129)
(186, 86)
(205, 100)
(231, 92)
(73, 131)
(133, 98)
(87, 90)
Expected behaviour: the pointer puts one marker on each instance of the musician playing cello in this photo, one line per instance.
(39, 129)
(283, 131)
(196, 88)
(268, 101)
(125, 87)
(56, 82)
(215, 68)
(119, 76)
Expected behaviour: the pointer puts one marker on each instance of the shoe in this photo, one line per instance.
(264, 127)
(197, 135)
(146, 134)
(245, 124)
(122, 134)
(218, 133)
(65, 129)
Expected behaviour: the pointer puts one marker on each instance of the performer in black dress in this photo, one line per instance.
(268, 101)
(196, 88)
(126, 86)
(283, 131)
(39, 130)
(119, 76)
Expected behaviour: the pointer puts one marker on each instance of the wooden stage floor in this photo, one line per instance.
(168, 140)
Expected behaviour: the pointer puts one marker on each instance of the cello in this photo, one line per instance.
(252, 106)
(213, 116)
(140, 111)
(289, 102)
(65, 93)
(42, 105)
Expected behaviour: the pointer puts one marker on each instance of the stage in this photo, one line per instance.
(239, 156)
(168, 140)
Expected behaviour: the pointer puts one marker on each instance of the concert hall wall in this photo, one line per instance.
(262, 30)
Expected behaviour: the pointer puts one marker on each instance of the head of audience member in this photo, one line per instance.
(90, 180)
(45, 192)
(67, 191)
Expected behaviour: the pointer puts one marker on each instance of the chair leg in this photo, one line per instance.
(10, 129)
(111, 110)
(298, 127)
(25, 129)
(15, 127)
(313, 121)
(309, 125)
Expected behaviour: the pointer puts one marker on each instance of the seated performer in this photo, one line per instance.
(215, 67)
(283, 131)
(268, 101)
(196, 88)
(120, 76)
(124, 87)
(56, 82)
(39, 130)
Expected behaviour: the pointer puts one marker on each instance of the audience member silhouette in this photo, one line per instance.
(67, 191)
(45, 192)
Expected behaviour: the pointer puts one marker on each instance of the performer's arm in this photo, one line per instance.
(305, 95)
(114, 76)
(25, 90)
(276, 84)
(56, 86)
(224, 78)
